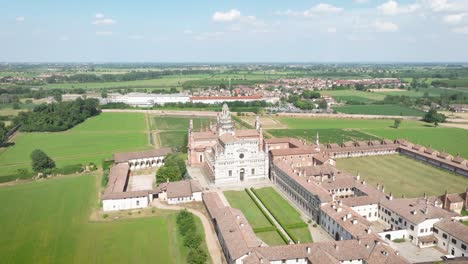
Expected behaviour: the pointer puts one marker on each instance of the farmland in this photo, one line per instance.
(395, 110)
(47, 222)
(440, 138)
(353, 95)
(95, 139)
(326, 135)
(172, 131)
(404, 176)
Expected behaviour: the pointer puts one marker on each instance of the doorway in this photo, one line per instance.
(242, 174)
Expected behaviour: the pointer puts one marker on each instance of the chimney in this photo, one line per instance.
(308, 250)
(237, 217)
(397, 253)
(383, 188)
(354, 221)
(336, 247)
(390, 197)
(378, 187)
(359, 240)
(363, 182)
(340, 203)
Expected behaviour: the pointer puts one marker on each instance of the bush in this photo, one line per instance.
(41, 162)
(191, 237)
(314, 225)
(105, 216)
(399, 240)
(197, 256)
(69, 169)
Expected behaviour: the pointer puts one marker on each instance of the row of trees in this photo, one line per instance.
(57, 116)
(192, 238)
(174, 169)
(3, 132)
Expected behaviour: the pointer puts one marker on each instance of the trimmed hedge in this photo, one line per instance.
(297, 225)
(69, 169)
(264, 229)
(259, 207)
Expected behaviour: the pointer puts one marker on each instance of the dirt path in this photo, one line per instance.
(212, 243)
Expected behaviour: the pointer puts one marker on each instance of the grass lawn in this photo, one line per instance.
(395, 110)
(326, 135)
(452, 140)
(95, 139)
(47, 222)
(172, 139)
(402, 175)
(242, 201)
(272, 238)
(353, 95)
(180, 123)
(278, 206)
(302, 234)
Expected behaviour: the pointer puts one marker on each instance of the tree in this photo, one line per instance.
(432, 116)
(3, 132)
(41, 162)
(436, 124)
(104, 94)
(397, 123)
(323, 104)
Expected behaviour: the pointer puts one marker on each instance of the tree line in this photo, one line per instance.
(57, 116)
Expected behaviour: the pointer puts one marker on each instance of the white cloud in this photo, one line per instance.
(99, 16)
(64, 38)
(440, 5)
(392, 8)
(104, 22)
(382, 26)
(228, 16)
(454, 18)
(104, 33)
(19, 19)
(360, 1)
(461, 30)
(322, 9)
(331, 30)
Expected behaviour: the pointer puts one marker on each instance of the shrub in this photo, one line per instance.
(69, 169)
(399, 240)
(105, 216)
(314, 225)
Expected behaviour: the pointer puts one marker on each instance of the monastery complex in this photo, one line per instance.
(342, 204)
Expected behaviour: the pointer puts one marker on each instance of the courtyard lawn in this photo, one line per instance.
(47, 222)
(302, 234)
(404, 176)
(278, 206)
(95, 139)
(242, 201)
(393, 110)
(272, 238)
(173, 139)
(451, 140)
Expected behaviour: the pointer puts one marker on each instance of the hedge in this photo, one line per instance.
(264, 229)
(297, 225)
(259, 207)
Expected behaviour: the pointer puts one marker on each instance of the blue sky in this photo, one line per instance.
(234, 31)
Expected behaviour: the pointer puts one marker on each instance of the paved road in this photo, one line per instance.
(275, 222)
(212, 243)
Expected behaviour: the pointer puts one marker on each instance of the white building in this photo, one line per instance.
(452, 237)
(231, 156)
(143, 159)
(180, 192)
(147, 100)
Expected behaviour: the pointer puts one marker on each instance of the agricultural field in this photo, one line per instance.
(172, 131)
(47, 222)
(353, 95)
(285, 214)
(440, 138)
(325, 135)
(404, 176)
(163, 83)
(91, 141)
(393, 110)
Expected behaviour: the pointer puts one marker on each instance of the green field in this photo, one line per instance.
(47, 222)
(402, 175)
(395, 110)
(242, 201)
(451, 140)
(95, 139)
(284, 213)
(353, 95)
(325, 135)
(272, 238)
(180, 123)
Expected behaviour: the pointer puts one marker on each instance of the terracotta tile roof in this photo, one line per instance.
(126, 156)
(213, 203)
(247, 133)
(414, 209)
(251, 97)
(182, 188)
(117, 178)
(204, 135)
(292, 141)
(227, 138)
(454, 228)
(123, 195)
(293, 151)
(348, 219)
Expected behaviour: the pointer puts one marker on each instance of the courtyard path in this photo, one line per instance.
(275, 222)
(214, 249)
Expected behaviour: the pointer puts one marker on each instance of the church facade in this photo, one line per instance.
(229, 155)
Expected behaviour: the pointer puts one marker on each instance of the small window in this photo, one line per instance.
(137, 202)
(444, 235)
(230, 173)
(463, 246)
(436, 230)
(454, 241)
(412, 227)
(253, 171)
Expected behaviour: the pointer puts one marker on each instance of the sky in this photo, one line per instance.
(234, 31)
